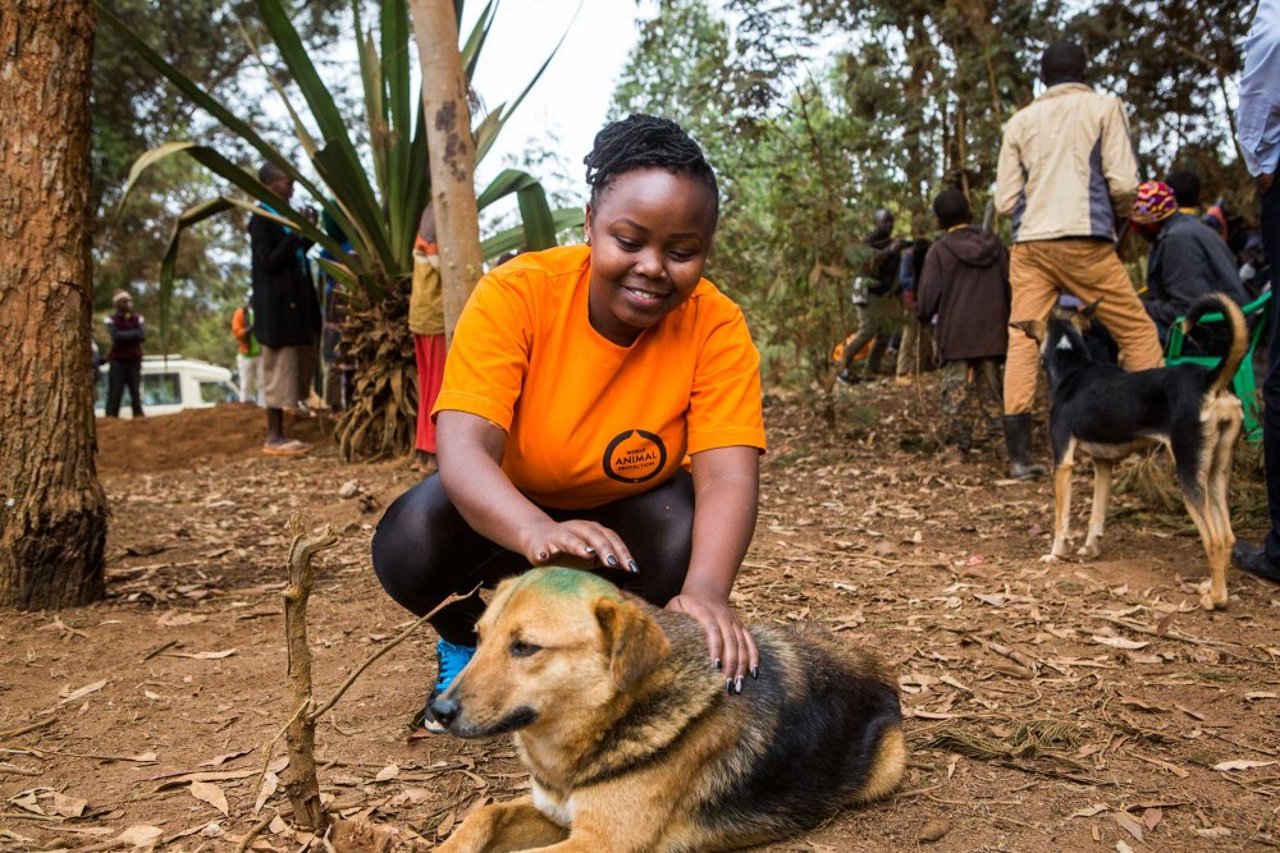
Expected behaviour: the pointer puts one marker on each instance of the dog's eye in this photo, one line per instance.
(521, 649)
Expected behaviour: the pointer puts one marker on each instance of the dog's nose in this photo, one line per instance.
(444, 709)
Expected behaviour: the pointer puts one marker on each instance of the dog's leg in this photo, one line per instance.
(1218, 510)
(1062, 502)
(1098, 513)
(516, 825)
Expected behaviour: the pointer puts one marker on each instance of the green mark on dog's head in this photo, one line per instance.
(559, 580)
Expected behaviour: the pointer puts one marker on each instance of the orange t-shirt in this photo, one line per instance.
(589, 421)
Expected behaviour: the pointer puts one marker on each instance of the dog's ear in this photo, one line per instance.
(635, 641)
(1092, 308)
(1034, 329)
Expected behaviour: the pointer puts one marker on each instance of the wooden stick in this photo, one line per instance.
(300, 781)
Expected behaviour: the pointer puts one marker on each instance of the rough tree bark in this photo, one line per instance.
(452, 153)
(52, 509)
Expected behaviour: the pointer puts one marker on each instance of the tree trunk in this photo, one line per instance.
(52, 509)
(452, 153)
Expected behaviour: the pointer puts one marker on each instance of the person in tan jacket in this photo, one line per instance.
(1067, 176)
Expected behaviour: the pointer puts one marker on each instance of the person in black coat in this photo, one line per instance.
(286, 314)
(1187, 259)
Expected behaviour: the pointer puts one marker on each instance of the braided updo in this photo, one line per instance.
(644, 142)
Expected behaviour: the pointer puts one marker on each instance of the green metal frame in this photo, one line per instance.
(1244, 383)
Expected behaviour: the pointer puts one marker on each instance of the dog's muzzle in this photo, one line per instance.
(445, 710)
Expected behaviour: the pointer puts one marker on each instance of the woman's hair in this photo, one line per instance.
(646, 142)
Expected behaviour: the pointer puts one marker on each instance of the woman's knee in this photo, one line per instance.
(407, 548)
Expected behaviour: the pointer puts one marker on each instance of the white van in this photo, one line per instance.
(171, 384)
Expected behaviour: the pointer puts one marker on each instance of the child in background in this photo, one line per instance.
(426, 322)
(965, 284)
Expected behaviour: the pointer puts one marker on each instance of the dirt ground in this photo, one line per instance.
(1065, 706)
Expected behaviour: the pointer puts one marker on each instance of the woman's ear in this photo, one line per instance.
(586, 224)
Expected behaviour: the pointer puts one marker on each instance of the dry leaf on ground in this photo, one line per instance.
(210, 793)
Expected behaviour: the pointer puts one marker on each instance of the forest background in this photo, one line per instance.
(813, 115)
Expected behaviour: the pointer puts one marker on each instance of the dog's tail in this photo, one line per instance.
(1220, 377)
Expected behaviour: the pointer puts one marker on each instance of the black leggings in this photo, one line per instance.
(423, 550)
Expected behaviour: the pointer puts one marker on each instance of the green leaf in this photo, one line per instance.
(324, 110)
(207, 102)
(479, 34)
(507, 111)
(189, 217)
(513, 239)
(535, 213)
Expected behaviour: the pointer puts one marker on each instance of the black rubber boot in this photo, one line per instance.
(1017, 437)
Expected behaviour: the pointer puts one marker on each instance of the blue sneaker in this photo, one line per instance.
(450, 661)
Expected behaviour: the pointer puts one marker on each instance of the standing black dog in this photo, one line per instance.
(1108, 413)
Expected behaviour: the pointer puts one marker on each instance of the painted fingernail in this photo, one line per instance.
(588, 550)
(611, 561)
(728, 686)
(542, 555)
(718, 665)
(737, 684)
(755, 672)
(631, 564)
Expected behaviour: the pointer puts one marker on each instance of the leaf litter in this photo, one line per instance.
(1027, 700)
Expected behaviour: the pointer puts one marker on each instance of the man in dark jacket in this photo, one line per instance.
(965, 284)
(124, 360)
(1187, 258)
(875, 298)
(286, 315)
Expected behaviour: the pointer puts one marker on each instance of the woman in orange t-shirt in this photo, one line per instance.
(601, 408)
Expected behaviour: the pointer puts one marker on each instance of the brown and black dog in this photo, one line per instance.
(634, 745)
(1100, 409)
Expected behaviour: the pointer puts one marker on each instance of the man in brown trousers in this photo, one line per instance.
(1067, 176)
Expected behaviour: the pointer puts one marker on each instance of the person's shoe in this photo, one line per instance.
(450, 661)
(1017, 437)
(846, 377)
(1254, 560)
(904, 380)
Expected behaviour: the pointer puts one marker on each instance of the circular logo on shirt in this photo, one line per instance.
(635, 456)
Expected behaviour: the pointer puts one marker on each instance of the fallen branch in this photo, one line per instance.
(253, 832)
(30, 727)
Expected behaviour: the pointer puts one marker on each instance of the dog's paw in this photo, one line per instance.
(1050, 558)
(1208, 601)
(1089, 550)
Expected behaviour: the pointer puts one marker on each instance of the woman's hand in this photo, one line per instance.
(580, 544)
(732, 649)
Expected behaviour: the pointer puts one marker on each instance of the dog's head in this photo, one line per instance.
(1061, 330)
(555, 647)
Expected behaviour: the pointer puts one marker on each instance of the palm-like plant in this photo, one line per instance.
(378, 216)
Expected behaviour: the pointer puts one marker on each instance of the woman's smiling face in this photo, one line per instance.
(650, 233)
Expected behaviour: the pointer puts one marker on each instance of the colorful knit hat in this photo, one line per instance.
(1155, 203)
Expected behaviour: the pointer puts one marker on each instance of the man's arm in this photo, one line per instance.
(1010, 178)
(1182, 280)
(929, 288)
(273, 247)
(1258, 114)
(1119, 164)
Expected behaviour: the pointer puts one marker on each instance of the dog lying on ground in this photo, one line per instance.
(1101, 410)
(633, 743)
